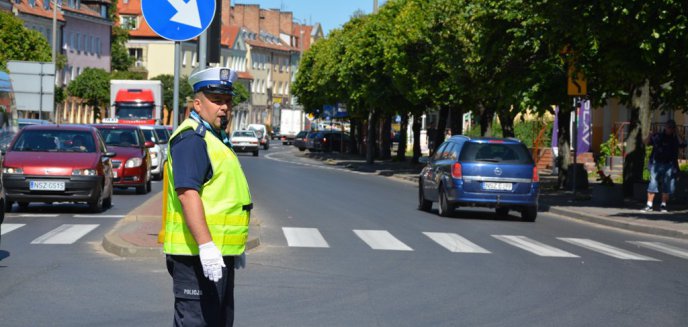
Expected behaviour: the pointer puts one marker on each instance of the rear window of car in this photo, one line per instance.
(150, 135)
(55, 141)
(301, 134)
(243, 134)
(513, 153)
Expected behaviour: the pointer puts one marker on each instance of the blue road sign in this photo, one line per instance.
(178, 20)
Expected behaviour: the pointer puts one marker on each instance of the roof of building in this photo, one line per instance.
(274, 46)
(36, 10)
(245, 75)
(229, 34)
(84, 10)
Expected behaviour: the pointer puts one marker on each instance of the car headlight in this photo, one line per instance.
(12, 170)
(154, 155)
(133, 162)
(84, 172)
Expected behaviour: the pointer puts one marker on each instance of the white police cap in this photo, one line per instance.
(213, 80)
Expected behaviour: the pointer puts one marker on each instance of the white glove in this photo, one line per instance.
(211, 260)
(240, 261)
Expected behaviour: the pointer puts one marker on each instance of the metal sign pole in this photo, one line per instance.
(175, 97)
(203, 50)
(575, 144)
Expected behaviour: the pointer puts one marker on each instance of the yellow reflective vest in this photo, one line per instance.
(225, 199)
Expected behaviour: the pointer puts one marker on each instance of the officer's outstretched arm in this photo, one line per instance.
(194, 216)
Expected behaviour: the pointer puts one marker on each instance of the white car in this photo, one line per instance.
(262, 134)
(245, 141)
(156, 152)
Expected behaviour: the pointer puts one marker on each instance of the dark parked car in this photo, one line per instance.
(50, 163)
(131, 166)
(300, 140)
(489, 172)
(328, 141)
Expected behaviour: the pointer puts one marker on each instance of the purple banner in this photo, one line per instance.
(584, 127)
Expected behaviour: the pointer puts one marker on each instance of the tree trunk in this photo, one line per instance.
(456, 122)
(417, 122)
(385, 139)
(564, 158)
(441, 127)
(634, 161)
(353, 149)
(486, 117)
(370, 137)
(401, 147)
(506, 120)
(360, 138)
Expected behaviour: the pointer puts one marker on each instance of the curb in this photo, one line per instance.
(133, 223)
(618, 224)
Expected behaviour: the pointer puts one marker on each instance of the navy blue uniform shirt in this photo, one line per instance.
(190, 162)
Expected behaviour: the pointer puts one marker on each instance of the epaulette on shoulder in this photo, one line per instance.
(200, 130)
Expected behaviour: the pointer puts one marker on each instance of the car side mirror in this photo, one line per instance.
(110, 154)
(2, 152)
(424, 160)
(149, 144)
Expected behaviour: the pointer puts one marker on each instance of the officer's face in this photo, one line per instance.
(213, 108)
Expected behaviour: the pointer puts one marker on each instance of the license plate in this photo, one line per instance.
(497, 186)
(114, 174)
(46, 186)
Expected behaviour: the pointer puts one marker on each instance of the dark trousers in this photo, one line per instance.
(197, 300)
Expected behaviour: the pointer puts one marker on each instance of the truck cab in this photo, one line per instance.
(135, 106)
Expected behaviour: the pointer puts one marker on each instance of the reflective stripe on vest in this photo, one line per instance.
(223, 197)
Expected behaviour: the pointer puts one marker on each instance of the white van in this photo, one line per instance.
(262, 133)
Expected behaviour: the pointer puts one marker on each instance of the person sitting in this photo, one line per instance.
(126, 139)
(79, 143)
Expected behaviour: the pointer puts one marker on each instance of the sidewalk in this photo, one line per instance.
(137, 234)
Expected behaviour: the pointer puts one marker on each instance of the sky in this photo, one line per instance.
(330, 14)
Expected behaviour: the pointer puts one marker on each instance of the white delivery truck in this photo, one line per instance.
(291, 123)
(135, 102)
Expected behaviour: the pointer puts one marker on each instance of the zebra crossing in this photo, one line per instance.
(382, 240)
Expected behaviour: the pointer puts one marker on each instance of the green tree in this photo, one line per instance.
(185, 91)
(19, 42)
(93, 86)
(241, 94)
(119, 54)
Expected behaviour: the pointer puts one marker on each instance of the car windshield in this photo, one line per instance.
(150, 135)
(121, 137)
(163, 136)
(55, 141)
(514, 153)
(243, 134)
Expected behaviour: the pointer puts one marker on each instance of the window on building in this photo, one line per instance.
(78, 4)
(98, 46)
(103, 11)
(78, 42)
(184, 60)
(32, 3)
(136, 53)
(129, 22)
(73, 74)
(72, 42)
(71, 3)
(46, 4)
(84, 41)
(65, 75)
(194, 60)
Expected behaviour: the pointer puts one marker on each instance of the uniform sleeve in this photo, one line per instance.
(190, 162)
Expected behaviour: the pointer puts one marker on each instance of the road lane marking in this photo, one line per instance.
(381, 240)
(98, 216)
(534, 246)
(6, 228)
(664, 248)
(606, 249)
(65, 234)
(304, 237)
(455, 243)
(27, 215)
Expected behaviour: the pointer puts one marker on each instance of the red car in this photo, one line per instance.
(55, 163)
(131, 167)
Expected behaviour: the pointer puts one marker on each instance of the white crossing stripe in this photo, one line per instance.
(65, 234)
(455, 243)
(27, 215)
(533, 246)
(6, 228)
(304, 237)
(98, 216)
(381, 240)
(606, 249)
(664, 248)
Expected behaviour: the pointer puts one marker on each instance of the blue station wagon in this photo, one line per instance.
(486, 172)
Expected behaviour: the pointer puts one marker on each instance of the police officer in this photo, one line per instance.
(208, 205)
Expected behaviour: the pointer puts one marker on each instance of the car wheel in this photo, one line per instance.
(8, 206)
(302, 149)
(141, 189)
(23, 205)
(423, 204)
(149, 186)
(266, 146)
(501, 211)
(255, 153)
(445, 207)
(529, 214)
(96, 206)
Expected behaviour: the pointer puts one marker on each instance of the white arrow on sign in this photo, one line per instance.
(187, 13)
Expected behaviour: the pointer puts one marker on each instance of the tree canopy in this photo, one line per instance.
(20, 43)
